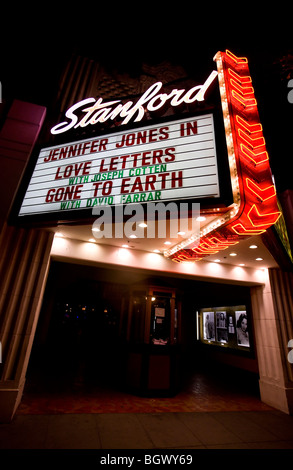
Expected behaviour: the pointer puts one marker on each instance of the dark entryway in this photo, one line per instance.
(80, 344)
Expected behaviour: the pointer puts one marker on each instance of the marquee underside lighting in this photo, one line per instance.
(254, 208)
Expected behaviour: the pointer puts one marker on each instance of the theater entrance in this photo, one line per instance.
(103, 344)
(107, 328)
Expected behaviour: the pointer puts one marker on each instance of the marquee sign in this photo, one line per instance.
(254, 207)
(173, 161)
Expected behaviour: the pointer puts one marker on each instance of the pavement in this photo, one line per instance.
(211, 417)
(176, 431)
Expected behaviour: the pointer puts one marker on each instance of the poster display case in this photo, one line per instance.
(227, 326)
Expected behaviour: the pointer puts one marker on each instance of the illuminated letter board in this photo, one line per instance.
(175, 160)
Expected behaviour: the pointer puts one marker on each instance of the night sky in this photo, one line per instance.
(31, 65)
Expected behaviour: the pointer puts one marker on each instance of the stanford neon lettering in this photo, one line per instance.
(151, 100)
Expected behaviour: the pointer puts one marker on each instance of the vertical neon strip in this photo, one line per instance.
(254, 207)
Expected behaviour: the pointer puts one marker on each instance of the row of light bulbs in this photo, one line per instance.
(232, 254)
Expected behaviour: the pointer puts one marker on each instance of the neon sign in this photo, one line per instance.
(254, 208)
(172, 161)
(151, 100)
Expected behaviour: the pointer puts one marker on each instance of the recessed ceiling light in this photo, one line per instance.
(180, 233)
(59, 234)
(201, 218)
(216, 260)
(125, 246)
(157, 251)
(91, 240)
(167, 243)
(133, 236)
(95, 229)
(142, 225)
(258, 259)
(233, 254)
(253, 247)
(241, 264)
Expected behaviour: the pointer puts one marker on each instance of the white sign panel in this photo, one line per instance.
(169, 161)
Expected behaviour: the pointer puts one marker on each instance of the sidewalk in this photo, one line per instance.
(182, 430)
(212, 411)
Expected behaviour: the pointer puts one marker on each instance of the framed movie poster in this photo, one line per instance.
(209, 326)
(221, 322)
(242, 328)
(231, 327)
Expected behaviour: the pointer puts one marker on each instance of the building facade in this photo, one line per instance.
(220, 287)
